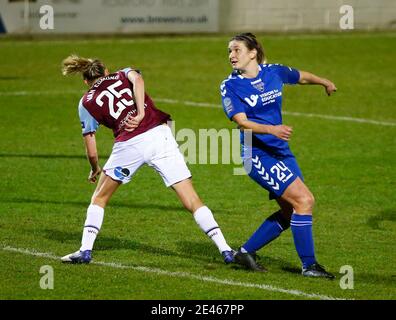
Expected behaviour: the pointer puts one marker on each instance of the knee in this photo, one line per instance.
(305, 203)
(99, 200)
(194, 203)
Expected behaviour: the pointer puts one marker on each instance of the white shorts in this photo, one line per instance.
(156, 147)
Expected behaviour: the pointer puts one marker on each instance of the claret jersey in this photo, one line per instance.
(260, 99)
(110, 102)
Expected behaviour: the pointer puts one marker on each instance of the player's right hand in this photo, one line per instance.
(93, 174)
(282, 132)
(133, 122)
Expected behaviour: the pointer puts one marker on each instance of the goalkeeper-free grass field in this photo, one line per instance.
(149, 246)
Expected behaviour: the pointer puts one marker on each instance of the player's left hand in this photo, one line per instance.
(93, 174)
(133, 122)
(330, 87)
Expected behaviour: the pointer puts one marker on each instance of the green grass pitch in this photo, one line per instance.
(150, 246)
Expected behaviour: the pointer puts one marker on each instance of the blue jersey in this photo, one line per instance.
(260, 99)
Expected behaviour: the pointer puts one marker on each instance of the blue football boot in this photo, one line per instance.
(228, 256)
(78, 257)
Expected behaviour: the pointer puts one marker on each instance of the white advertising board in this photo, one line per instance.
(108, 16)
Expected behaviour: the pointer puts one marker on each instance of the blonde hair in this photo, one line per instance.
(90, 69)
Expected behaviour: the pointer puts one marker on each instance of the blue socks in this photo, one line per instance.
(271, 228)
(301, 227)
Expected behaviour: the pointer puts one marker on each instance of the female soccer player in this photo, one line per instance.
(142, 136)
(252, 97)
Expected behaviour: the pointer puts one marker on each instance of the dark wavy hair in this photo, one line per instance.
(250, 40)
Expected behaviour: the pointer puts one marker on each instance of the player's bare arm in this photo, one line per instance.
(138, 91)
(92, 155)
(309, 78)
(281, 131)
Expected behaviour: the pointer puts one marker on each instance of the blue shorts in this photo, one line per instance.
(273, 173)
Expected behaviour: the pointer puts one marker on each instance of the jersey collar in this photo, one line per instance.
(237, 73)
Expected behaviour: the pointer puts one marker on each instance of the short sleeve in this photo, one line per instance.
(288, 75)
(230, 101)
(127, 70)
(88, 123)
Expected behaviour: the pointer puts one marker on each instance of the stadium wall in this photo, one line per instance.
(108, 16)
(299, 15)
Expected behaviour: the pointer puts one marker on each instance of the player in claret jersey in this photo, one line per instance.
(142, 136)
(252, 98)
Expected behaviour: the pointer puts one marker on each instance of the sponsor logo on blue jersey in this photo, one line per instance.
(252, 101)
(121, 173)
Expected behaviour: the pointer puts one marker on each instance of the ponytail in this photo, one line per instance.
(89, 68)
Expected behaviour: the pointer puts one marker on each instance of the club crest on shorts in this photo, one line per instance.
(121, 173)
(258, 84)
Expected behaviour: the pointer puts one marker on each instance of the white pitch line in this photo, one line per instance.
(39, 93)
(178, 274)
(339, 118)
(290, 113)
(212, 105)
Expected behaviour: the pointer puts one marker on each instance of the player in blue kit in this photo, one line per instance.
(252, 97)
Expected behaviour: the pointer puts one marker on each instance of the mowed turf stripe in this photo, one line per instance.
(212, 38)
(178, 274)
(212, 105)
